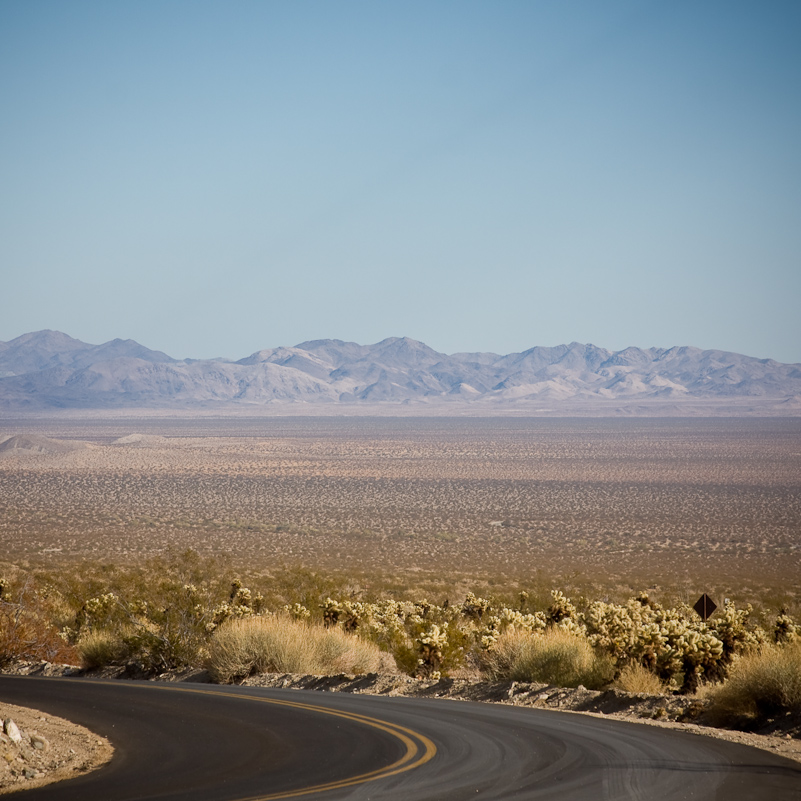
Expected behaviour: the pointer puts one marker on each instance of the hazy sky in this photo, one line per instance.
(211, 178)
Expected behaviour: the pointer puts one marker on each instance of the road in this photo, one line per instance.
(177, 742)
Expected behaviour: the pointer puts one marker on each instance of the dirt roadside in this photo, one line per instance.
(37, 748)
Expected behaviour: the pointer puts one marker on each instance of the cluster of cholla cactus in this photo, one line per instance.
(673, 643)
(163, 632)
(349, 613)
(509, 620)
(431, 645)
(241, 602)
(420, 635)
(785, 630)
(168, 623)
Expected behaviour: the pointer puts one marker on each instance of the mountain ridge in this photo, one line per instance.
(50, 370)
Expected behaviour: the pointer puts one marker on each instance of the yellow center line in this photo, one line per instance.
(419, 748)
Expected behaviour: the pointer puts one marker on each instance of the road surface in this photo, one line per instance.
(200, 742)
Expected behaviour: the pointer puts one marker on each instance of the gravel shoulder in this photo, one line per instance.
(37, 748)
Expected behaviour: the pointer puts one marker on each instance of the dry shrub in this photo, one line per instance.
(552, 657)
(25, 636)
(277, 644)
(635, 678)
(760, 686)
(26, 632)
(102, 647)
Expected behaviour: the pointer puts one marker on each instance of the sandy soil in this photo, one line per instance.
(50, 749)
(692, 505)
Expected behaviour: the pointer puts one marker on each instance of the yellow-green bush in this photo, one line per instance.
(554, 657)
(761, 685)
(635, 678)
(102, 647)
(277, 644)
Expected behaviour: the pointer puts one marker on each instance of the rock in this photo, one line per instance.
(39, 743)
(10, 728)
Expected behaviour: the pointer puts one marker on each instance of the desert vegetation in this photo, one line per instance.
(281, 644)
(187, 610)
(603, 507)
(209, 541)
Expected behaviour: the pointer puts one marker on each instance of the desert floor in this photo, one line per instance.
(604, 506)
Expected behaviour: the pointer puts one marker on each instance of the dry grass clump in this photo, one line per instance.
(553, 657)
(277, 644)
(761, 685)
(635, 678)
(101, 647)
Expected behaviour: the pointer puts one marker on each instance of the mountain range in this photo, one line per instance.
(48, 370)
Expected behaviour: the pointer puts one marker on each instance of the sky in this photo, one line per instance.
(214, 178)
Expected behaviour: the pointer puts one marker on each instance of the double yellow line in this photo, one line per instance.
(419, 749)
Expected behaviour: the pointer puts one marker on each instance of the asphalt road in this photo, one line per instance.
(204, 742)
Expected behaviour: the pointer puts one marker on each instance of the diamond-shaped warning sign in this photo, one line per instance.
(705, 606)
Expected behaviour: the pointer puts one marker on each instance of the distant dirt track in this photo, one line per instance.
(203, 742)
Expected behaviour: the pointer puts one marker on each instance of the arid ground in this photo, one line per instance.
(605, 506)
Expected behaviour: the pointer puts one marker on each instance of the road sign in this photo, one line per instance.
(705, 606)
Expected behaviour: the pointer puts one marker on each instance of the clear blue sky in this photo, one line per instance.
(212, 178)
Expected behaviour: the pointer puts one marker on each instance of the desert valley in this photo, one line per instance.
(434, 505)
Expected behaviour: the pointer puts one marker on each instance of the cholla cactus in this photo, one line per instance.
(431, 645)
(572, 626)
(226, 611)
(331, 611)
(731, 629)
(3, 589)
(96, 611)
(489, 635)
(517, 621)
(699, 653)
(560, 608)
(785, 629)
(138, 607)
(240, 604)
(508, 620)
(630, 633)
(242, 597)
(423, 608)
(297, 611)
(474, 607)
(352, 614)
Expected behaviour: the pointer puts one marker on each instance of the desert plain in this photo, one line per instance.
(409, 505)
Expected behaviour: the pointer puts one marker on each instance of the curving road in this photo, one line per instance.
(204, 742)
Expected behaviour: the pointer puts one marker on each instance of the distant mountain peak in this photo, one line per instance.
(48, 369)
